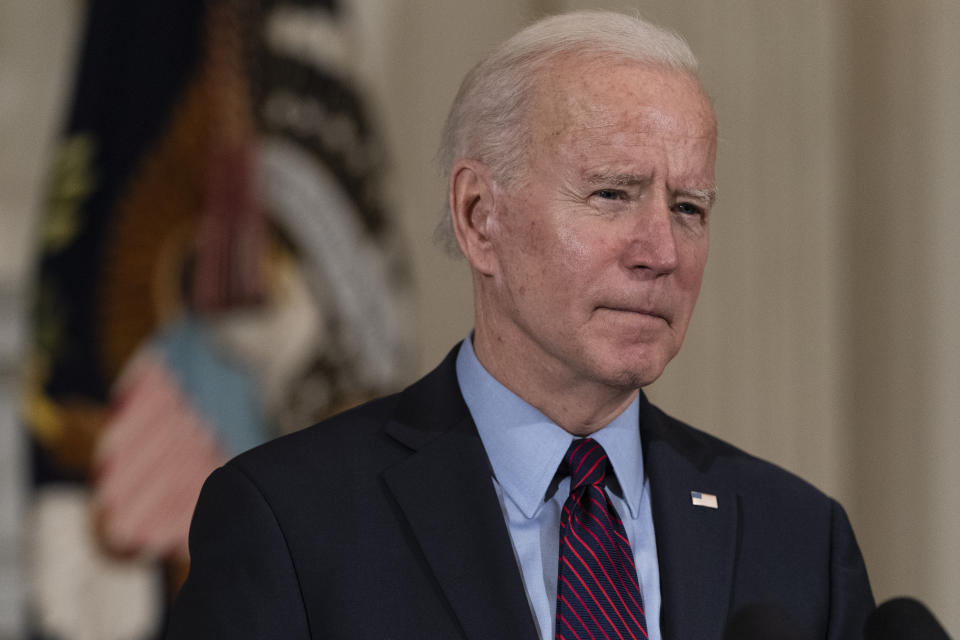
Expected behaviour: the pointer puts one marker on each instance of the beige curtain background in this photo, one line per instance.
(826, 336)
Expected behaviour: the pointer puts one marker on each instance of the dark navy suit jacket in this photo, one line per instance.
(383, 522)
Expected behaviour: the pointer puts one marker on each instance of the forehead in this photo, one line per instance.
(577, 98)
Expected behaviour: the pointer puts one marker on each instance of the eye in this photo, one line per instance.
(609, 194)
(690, 209)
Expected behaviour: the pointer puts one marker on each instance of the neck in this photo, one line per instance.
(580, 407)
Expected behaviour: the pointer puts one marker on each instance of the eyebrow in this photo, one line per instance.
(617, 180)
(706, 195)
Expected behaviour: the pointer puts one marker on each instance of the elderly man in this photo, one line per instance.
(526, 488)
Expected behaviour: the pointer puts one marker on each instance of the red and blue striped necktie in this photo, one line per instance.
(598, 596)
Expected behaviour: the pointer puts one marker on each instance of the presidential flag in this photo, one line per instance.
(216, 267)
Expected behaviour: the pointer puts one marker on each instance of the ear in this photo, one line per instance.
(473, 208)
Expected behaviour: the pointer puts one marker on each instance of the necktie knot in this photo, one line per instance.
(586, 461)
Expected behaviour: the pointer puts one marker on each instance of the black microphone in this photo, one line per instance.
(903, 619)
(762, 621)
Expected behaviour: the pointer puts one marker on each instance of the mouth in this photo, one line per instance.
(633, 310)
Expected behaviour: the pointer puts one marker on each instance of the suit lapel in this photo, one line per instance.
(445, 491)
(696, 545)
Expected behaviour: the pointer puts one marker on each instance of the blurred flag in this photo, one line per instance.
(216, 268)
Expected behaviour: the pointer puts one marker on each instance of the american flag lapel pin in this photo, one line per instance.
(701, 499)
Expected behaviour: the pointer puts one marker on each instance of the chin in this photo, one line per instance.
(633, 377)
(638, 379)
(635, 372)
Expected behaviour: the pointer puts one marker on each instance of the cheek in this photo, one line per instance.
(540, 245)
(583, 249)
(693, 264)
(569, 251)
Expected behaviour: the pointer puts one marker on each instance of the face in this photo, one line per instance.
(600, 250)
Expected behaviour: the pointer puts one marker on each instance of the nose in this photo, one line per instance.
(652, 245)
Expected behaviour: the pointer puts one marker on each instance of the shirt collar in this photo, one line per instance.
(525, 447)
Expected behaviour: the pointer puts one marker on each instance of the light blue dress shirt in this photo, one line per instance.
(525, 449)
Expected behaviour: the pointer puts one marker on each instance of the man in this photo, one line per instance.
(526, 488)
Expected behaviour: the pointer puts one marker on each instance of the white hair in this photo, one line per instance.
(487, 120)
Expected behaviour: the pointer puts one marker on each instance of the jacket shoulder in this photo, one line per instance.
(325, 447)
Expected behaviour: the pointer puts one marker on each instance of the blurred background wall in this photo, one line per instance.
(826, 335)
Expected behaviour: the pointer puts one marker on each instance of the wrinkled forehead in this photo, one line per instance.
(578, 96)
